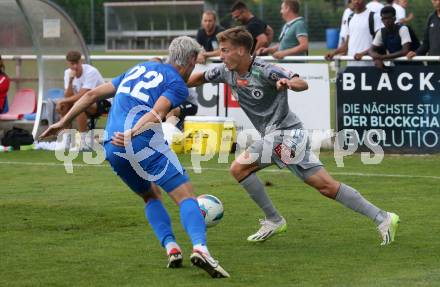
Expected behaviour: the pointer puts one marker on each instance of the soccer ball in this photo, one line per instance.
(212, 209)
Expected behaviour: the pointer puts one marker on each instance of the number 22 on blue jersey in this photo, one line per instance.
(146, 80)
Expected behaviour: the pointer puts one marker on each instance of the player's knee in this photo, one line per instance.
(234, 169)
(62, 109)
(238, 171)
(182, 192)
(329, 189)
(148, 196)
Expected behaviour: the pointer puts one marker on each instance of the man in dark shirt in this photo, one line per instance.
(260, 31)
(431, 39)
(207, 36)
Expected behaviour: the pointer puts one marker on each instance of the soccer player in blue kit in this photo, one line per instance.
(138, 153)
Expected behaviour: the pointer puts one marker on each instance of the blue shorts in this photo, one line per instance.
(149, 160)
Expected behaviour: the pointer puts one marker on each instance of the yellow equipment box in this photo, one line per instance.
(177, 143)
(206, 134)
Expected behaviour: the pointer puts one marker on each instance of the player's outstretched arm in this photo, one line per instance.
(295, 84)
(196, 79)
(101, 92)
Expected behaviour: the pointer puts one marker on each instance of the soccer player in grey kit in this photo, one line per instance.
(261, 89)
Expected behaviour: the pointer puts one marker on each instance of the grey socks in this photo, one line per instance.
(255, 189)
(352, 199)
(347, 195)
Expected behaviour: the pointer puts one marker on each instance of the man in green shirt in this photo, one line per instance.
(294, 37)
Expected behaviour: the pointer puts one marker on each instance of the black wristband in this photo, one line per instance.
(295, 76)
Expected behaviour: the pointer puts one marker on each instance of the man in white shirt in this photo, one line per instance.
(407, 17)
(343, 30)
(375, 6)
(400, 11)
(78, 79)
(361, 27)
(400, 6)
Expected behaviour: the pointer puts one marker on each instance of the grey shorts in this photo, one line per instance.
(289, 149)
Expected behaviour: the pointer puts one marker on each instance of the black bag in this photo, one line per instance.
(17, 137)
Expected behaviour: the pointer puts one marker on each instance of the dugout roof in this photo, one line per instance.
(42, 30)
(149, 25)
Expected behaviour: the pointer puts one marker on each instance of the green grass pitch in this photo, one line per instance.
(88, 229)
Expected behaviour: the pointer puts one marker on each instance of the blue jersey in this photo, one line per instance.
(138, 89)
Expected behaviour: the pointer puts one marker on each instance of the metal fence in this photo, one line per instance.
(21, 60)
(319, 15)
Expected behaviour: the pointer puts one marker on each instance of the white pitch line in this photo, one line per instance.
(226, 169)
(49, 164)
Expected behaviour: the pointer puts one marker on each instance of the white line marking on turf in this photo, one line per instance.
(50, 164)
(226, 169)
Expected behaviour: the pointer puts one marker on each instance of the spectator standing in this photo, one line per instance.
(343, 31)
(361, 27)
(408, 16)
(293, 37)
(431, 38)
(375, 6)
(400, 11)
(260, 31)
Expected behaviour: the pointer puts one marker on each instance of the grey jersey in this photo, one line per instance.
(266, 107)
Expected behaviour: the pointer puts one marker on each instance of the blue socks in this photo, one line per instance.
(160, 221)
(192, 220)
(190, 217)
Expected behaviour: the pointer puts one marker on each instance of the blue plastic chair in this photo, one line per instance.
(53, 94)
(30, 117)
